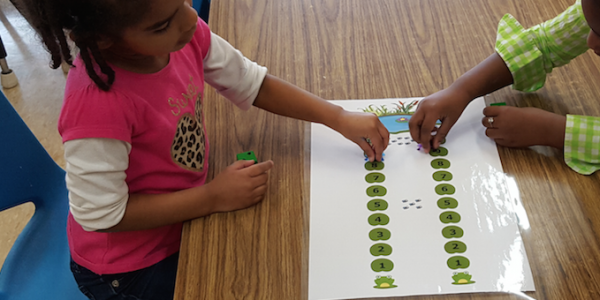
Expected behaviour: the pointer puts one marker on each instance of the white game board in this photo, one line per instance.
(429, 236)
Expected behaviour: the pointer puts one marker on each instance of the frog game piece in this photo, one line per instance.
(384, 282)
(249, 155)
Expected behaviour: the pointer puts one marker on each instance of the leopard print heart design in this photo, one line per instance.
(188, 148)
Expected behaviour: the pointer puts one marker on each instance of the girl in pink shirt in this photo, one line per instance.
(134, 139)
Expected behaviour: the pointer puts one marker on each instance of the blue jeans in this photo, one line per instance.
(156, 282)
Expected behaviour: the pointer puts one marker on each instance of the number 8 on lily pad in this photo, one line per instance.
(440, 163)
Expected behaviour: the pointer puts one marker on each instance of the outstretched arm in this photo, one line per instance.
(283, 98)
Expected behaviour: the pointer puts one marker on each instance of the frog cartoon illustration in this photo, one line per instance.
(384, 282)
(462, 278)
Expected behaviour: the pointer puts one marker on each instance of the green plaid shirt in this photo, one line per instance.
(531, 54)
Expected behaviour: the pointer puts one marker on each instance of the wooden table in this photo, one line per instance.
(366, 49)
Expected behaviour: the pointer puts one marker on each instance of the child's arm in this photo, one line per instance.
(447, 105)
(283, 98)
(527, 54)
(100, 199)
(239, 186)
(245, 83)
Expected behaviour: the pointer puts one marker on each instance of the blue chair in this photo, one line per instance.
(203, 8)
(37, 266)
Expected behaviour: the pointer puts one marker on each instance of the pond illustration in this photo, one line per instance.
(395, 119)
(395, 124)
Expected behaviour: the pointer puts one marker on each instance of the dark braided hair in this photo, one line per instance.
(87, 21)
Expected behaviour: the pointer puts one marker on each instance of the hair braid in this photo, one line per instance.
(86, 20)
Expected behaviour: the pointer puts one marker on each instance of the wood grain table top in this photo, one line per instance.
(371, 49)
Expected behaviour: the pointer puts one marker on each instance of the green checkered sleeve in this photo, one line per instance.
(582, 144)
(532, 53)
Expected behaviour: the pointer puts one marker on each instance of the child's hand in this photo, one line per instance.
(240, 185)
(358, 127)
(447, 106)
(524, 127)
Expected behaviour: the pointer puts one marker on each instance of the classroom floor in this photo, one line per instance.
(37, 98)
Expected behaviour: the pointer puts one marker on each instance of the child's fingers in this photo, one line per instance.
(385, 134)
(260, 168)
(362, 143)
(442, 132)
(493, 133)
(241, 164)
(377, 147)
(260, 179)
(414, 126)
(259, 192)
(425, 135)
(492, 111)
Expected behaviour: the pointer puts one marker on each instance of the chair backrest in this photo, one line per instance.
(203, 8)
(37, 266)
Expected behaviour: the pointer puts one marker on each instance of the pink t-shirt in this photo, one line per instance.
(160, 116)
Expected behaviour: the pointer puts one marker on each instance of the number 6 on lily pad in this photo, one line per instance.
(445, 189)
(376, 190)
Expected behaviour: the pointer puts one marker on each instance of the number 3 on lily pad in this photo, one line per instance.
(378, 234)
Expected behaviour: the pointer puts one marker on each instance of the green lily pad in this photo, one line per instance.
(375, 177)
(452, 232)
(445, 189)
(442, 176)
(455, 247)
(382, 264)
(376, 190)
(447, 202)
(441, 151)
(378, 234)
(376, 165)
(450, 217)
(378, 219)
(440, 163)
(377, 204)
(381, 249)
(458, 262)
